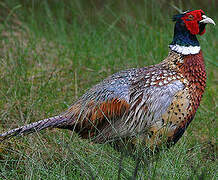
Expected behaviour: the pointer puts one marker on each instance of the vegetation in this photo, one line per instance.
(52, 51)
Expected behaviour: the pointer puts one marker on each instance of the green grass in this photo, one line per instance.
(51, 52)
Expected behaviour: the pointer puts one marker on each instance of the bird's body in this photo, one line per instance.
(147, 103)
(160, 99)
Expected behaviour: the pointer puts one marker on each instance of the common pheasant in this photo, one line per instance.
(145, 103)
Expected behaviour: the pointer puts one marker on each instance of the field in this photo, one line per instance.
(52, 51)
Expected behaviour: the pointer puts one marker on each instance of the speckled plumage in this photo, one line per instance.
(145, 103)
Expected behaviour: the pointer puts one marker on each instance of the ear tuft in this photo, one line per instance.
(179, 16)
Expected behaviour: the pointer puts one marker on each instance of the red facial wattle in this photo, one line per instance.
(191, 20)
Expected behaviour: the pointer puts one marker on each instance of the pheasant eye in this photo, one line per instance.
(191, 17)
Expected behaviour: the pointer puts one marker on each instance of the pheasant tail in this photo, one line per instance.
(34, 127)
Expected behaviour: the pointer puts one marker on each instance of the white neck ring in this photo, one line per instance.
(185, 50)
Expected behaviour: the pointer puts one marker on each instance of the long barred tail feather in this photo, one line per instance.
(55, 121)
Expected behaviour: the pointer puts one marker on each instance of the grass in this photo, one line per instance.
(51, 53)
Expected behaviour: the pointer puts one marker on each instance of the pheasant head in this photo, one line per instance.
(188, 25)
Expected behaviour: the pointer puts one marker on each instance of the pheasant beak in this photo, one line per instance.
(207, 20)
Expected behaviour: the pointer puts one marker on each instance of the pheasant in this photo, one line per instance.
(141, 103)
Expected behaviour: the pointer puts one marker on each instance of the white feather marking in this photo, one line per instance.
(185, 50)
(160, 83)
(185, 81)
(165, 81)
